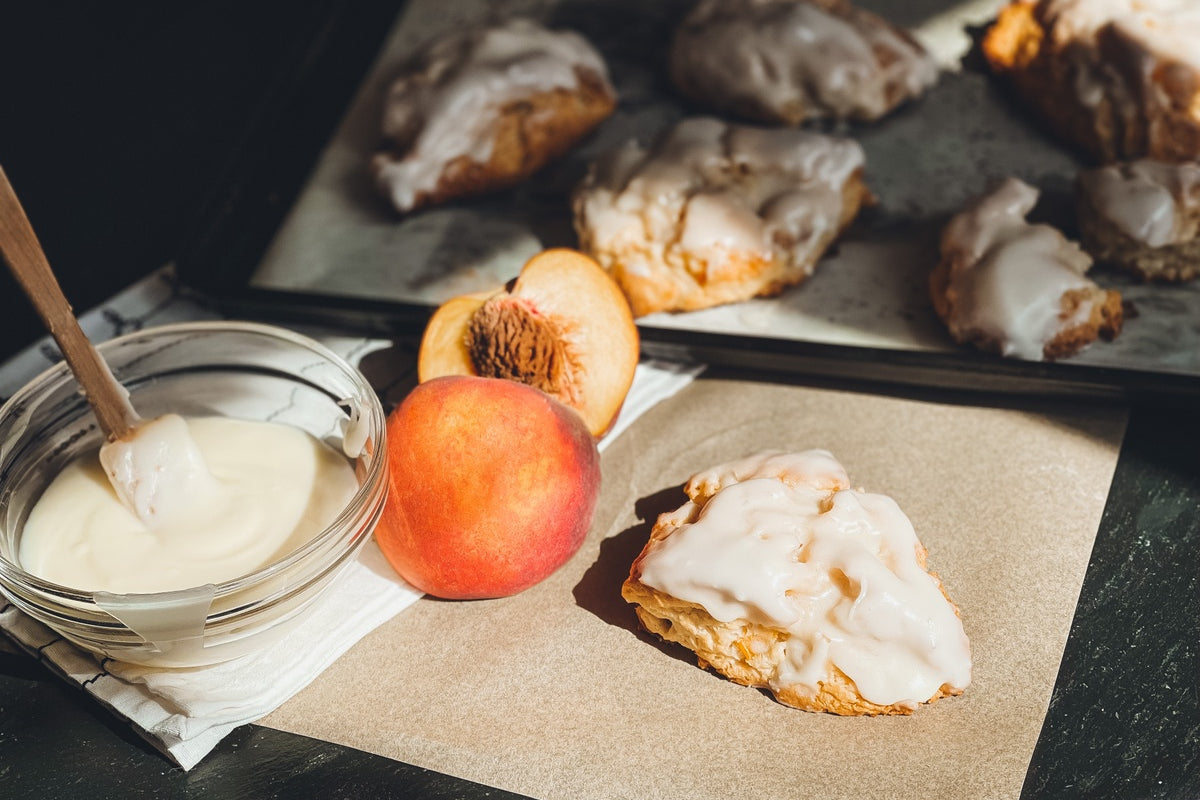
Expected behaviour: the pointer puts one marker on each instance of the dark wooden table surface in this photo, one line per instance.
(115, 122)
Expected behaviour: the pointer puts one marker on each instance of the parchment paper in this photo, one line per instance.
(556, 694)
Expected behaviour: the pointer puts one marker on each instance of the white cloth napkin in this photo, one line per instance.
(186, 712)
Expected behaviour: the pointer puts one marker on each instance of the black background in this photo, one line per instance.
(119, 120)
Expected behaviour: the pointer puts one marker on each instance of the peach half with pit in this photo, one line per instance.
(562, 325)
(493, 487)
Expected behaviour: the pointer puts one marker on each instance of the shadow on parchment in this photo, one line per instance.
(599, 590)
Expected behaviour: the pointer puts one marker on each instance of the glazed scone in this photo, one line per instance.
(716, 213)
(1143, 216)
(790, 60)
(485, 108)
(1018, 289)
(778, 575)
(1119, 78)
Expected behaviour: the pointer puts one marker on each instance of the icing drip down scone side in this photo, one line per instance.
(1118, 78)
(1143, 216)
(1018, 289)
(716, 213)
(484, 108)
(780, 576)
(785, 61)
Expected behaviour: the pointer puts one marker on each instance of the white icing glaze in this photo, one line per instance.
(1010, 276)
(815, 468)
(1128, 75)
(1168, 28)
(785, 544)
(1146, 199)
(449, 107)
(158, 471)
(273, 488)
(708, 189)
(790, 53)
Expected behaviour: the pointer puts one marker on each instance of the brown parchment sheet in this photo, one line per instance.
(555, 693)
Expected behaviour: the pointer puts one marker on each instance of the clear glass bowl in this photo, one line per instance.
(234, 369)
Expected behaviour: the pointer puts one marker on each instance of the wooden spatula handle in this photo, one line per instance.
(27, 261)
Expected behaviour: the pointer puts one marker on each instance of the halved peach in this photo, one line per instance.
(562, 325)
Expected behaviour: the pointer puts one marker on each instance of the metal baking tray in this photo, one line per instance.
(295, 229)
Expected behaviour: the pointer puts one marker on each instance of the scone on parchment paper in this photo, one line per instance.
(1018, 289)
(715, 213)
(1118, 78)
(785, 61)
(778, 575)
(484, 108)
(1143, 216)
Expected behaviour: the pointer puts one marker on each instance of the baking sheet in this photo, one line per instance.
(924, 162)
(554, 693)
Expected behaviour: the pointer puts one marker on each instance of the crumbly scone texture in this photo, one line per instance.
(1104, 320)
(688, 281)
(1144, 105)
(1170, 263)
(746, 652)
(528, 134)
(727, 56)
(653, 257)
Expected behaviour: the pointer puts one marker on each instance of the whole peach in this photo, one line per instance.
(493, 486)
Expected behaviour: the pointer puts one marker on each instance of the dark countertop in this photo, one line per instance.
(116, 121)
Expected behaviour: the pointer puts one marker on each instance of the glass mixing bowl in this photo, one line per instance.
(233, 369)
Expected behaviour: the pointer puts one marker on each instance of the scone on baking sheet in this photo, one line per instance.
(484, 108)
(1018, 289)
(716, 213)
(1119, 78)
(778, 575)
(1143, 216)
(790, 60)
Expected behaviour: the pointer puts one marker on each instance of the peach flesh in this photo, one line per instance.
(493, 487)
(562, 325)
